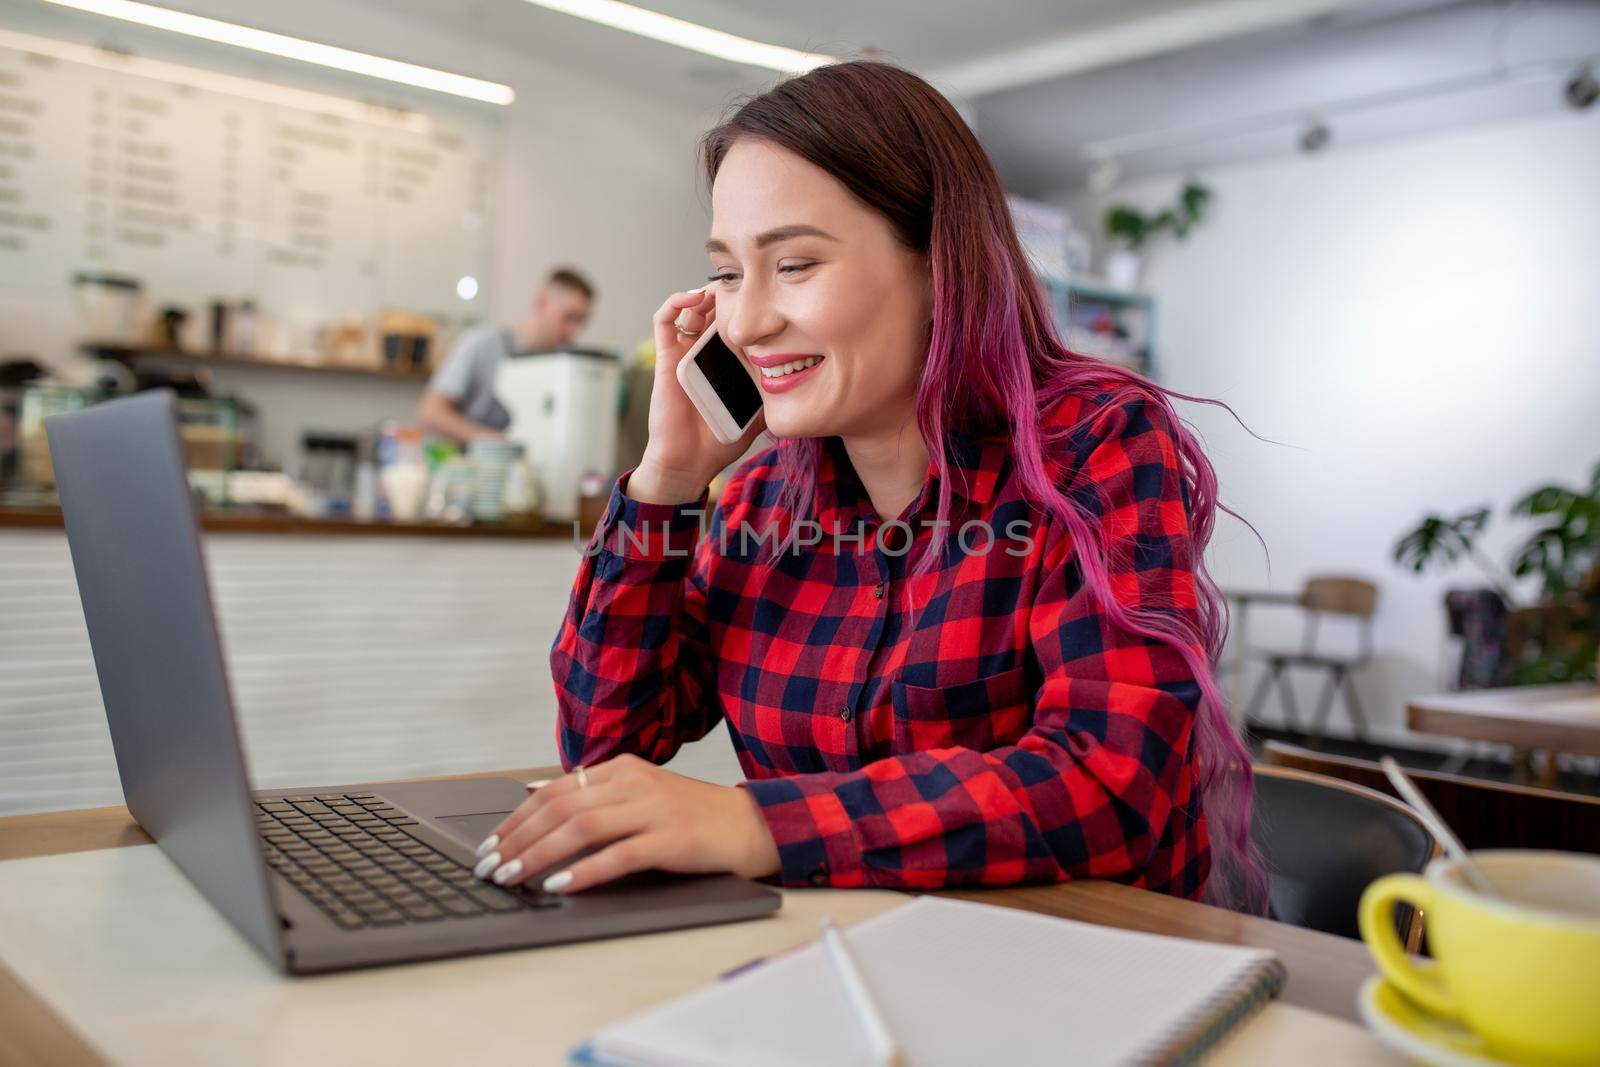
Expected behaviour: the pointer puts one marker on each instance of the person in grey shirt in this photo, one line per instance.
(460, 403)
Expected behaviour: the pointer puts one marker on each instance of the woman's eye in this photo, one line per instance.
(794, 268)
(724, 278)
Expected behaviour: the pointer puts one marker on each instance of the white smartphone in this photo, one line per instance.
(720, 386)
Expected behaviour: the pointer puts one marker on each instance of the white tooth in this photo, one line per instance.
(790, 367)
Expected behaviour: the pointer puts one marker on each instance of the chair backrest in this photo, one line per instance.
(1484, 814)
(1325, 841)
(1340, 595)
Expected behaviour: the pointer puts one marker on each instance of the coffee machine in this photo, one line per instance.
(563, 409)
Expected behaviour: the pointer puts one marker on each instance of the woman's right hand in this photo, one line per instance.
(682, 455)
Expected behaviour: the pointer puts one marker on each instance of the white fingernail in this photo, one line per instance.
(508, 872)
(538, 783)
(490, 862)
(488, 845)
(557, 882)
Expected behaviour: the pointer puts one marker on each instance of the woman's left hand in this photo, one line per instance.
(639, 817)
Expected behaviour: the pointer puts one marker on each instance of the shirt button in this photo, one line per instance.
(844, 713)
(877, 590)
(819, 876)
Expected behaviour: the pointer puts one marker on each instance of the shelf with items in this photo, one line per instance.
(1112, 324)
(129, 354)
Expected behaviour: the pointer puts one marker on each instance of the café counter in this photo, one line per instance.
(350, 646)
(267, 522)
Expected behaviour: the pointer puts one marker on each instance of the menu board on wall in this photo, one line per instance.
(205, 195)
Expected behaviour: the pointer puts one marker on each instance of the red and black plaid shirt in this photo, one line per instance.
(1001, 731)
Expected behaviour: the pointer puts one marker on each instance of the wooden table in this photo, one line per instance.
(1554, 718)
(1324, 972)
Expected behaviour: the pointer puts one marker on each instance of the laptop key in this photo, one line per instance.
(422, 911)
(494, 899)
(458, 905)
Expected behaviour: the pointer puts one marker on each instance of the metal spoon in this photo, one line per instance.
(1430, 818)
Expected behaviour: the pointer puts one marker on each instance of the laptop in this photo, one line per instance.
(322, 878)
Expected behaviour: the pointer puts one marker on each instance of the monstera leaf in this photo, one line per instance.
(1565, 546)
(1441, 540)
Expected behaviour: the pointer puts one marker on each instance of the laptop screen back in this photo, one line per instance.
(136, 551)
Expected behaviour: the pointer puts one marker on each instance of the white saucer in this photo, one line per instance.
(1418, 1034)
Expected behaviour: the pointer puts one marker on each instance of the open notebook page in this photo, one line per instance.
(961, 983)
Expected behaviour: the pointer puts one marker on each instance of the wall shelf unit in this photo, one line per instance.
(130, 355)
(1117, 326)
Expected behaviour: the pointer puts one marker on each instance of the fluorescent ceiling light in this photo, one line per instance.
(1184, 26)
(247, 88)
(278, 44)
(690, 35)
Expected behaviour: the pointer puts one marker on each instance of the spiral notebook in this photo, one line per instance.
(961, 983)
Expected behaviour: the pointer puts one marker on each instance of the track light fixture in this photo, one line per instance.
(1582, 90)
(1315, 137)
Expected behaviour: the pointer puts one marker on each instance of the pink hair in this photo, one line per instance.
(994, 362)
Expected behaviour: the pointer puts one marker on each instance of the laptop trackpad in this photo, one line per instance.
(470, 828)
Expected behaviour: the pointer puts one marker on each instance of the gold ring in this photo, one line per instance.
(583, 778)
(678, 325)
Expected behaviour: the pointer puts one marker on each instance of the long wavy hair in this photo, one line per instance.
(995, 360)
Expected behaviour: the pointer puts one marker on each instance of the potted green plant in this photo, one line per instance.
(1133, 232)
(1555, 632)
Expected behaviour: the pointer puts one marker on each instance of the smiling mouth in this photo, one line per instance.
(792, 367)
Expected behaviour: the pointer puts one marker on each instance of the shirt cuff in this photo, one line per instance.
(636, 530)
(812, 829)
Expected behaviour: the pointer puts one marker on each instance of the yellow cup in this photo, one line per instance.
(1521, 967)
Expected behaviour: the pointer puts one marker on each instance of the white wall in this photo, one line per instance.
(1416, 323)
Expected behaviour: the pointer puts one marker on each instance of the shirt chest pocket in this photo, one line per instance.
(981, 714)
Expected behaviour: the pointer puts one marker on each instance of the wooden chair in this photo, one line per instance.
(1325, 840)
(1350, 598)
(1483, 813)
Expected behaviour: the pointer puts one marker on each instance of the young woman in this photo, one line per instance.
(956, 618)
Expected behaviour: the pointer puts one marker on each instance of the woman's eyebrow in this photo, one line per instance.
(771, 237)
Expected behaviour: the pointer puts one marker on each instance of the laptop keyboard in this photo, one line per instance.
(348, 854)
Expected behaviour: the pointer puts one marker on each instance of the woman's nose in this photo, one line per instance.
(750, 319)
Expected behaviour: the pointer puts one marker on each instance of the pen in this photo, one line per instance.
(884, 1051)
